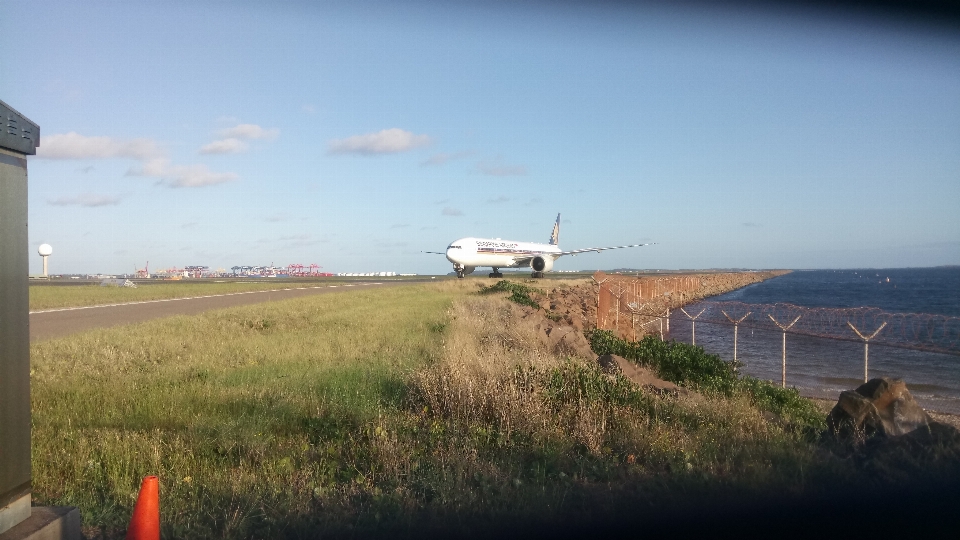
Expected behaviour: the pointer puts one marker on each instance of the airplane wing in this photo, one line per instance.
(525, 261)
(434, 252)
(599, 249)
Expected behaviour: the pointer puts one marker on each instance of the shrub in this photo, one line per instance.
(518, 293)
(691, 366)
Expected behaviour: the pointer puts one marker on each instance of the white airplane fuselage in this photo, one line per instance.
(469, 253)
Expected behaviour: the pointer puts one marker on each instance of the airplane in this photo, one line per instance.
(467, 254)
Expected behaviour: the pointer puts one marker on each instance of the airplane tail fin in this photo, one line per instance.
(555, 236)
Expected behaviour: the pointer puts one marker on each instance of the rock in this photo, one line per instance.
(918, 454)
(613, 364)
(567, 340)
(881, 406)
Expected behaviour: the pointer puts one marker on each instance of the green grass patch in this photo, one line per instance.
(53, 296)
(691, 366)
(252, 417)
(519, 293)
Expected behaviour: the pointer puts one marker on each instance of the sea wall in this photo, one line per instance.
(631, 305)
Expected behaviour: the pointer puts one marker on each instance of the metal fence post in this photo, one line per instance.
(783, 373)
(693, 324)
(599, 284)
(736, 325)
(866, 345)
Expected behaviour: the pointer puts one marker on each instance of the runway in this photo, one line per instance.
(54, 323)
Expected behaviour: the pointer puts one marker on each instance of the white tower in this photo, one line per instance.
(45, 251)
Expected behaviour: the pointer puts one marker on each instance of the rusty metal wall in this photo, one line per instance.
(627, 304)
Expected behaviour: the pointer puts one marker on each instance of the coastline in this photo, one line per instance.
(719, 284)
(634, 322)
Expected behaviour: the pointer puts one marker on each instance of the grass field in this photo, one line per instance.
(239, 412)
(53, 297)
(388, 412)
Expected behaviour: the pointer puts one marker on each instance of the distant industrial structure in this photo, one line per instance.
(291, 270)
(174, 273)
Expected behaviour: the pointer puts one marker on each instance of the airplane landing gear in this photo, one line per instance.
(496, 273)
(536, 275)
(459, 270)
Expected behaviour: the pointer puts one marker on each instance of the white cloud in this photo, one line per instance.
(388, 141)
(249, 131)
(497, 169)
(151, 157)
(75, 146)
(88, 200)
(224, 146)
(234, 137)
(178, 176)
(448, 211)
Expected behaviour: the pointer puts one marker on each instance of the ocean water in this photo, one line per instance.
(823, 368)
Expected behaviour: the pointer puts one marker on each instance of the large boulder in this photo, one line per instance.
(881, 407)
(568, 341)
(613, 365)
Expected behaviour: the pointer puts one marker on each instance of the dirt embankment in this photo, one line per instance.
(575, 305)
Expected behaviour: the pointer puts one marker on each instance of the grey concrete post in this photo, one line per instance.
(18, 138)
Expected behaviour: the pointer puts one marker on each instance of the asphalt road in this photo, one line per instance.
(61, 322)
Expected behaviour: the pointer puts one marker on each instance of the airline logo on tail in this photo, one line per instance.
(555, 236)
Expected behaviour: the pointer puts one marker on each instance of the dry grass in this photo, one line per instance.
(517, 415)
(380, 412)
(54, 297)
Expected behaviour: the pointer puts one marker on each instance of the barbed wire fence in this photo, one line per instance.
(645, 303)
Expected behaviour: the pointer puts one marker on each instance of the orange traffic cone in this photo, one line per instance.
(145, 523)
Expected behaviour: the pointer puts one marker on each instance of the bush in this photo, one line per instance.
(518, 293)
(691, 366)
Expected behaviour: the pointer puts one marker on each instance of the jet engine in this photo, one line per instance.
(541, 264)
(469, 269)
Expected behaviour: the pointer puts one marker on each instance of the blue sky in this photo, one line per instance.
(356, 136)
